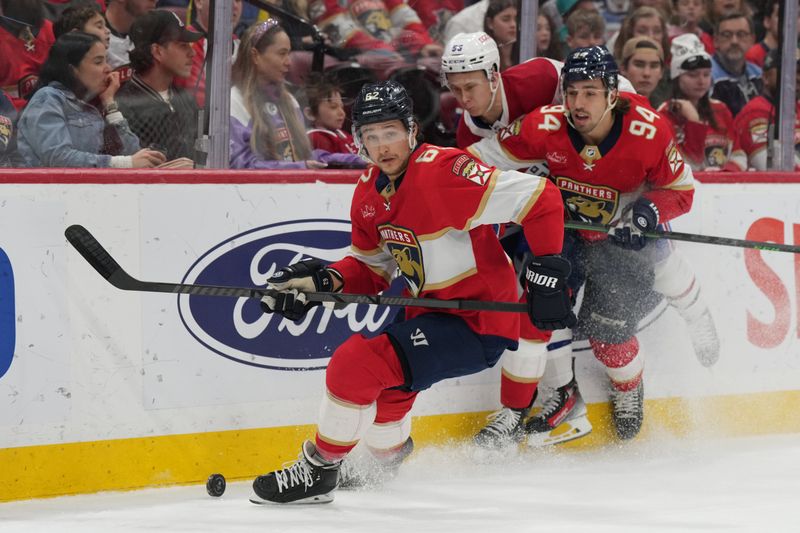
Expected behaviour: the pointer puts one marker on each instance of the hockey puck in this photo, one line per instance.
(215, 485)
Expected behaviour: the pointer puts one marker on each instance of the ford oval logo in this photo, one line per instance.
(7, 319)
(236, 328)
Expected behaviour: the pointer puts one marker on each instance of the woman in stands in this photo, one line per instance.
(703, 126)
(62, 127)
(500, 23)
(267, 129)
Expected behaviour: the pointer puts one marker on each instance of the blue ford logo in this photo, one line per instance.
(7, 324)
(236, 328)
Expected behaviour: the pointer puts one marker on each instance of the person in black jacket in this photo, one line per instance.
(162, 115)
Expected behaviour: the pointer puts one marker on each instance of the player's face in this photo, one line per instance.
(472, 91)
(387, 145)
(330, 113)
(587, 102)
(695, 83)
(97, 26)
(644, 70)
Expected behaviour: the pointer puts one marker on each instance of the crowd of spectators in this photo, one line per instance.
(122, 83)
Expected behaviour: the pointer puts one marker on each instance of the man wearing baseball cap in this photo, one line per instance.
(163, 116)
(643, 64)
(755, 123)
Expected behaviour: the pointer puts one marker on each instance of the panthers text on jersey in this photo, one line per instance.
(638, 157)
(434, 225)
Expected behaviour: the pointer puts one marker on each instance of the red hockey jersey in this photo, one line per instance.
(704, 147)
(433, 227)
(19, 68)
(523, 88)
(639, 157)
(752, 127)
(336, 142)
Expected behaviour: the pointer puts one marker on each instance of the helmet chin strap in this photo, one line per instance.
(493, 88)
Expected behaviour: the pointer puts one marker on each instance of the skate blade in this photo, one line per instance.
(322, 498)
(571, 429)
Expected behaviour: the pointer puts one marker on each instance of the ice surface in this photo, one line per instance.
(748, 484)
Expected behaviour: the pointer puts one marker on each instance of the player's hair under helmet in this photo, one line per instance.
(379, 102)
(590, 63)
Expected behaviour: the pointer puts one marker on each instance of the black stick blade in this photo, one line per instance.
(91, 250)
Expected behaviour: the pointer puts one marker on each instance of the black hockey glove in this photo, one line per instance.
(289, 284)
(641, 217)
(549, 305)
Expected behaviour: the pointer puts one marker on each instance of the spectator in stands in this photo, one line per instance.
(758, 52)
(755, 123)
(61, 128)
(9, 156)
(643, 64)
(86, 18)
(53, 9)
(325, 112)
(120, 15)
(547, 43)
(736, 81)
(703, 126)
(25, 39)
(688, 14)
(585, 28)
(390, 26)
(643, 21)
(266, 122)
(159, 113)
(195, 83)
(716, 9)
(500, 23)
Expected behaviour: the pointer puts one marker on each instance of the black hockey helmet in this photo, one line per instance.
(590, 63)
(381, 101)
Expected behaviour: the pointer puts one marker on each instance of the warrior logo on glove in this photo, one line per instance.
(549, 305)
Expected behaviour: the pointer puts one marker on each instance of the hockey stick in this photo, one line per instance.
(693, 237)
(105, 265)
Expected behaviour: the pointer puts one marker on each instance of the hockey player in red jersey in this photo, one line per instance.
(616, 162)
(426, 213)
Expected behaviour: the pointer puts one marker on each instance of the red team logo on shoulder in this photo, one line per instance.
(466, 167)
(407, 253)
(588, 203)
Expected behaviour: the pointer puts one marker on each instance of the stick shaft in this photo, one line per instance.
(105, 265)
(693, 237)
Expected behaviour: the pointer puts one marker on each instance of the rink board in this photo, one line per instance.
(103, 389)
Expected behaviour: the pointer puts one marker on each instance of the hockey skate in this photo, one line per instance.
(373, 472)
(627, 411)
(310, 479)
(561, 419)
(704, 338)
(505, 427)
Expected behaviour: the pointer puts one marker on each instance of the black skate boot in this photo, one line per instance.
(505, 427)
(310, 479)
(374, 471)
(628, 411)
(565, 408)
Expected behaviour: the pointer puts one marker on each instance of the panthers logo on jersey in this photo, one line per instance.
(407, 253)
(588, 203)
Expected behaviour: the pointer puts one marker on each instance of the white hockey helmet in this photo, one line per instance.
(470, 52)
